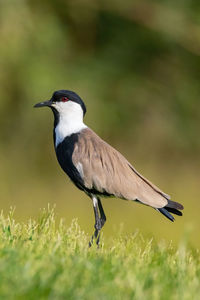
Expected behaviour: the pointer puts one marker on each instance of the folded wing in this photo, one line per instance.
(106, 171)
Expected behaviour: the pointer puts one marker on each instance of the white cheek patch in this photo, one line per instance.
(70, 120)
(63, 107)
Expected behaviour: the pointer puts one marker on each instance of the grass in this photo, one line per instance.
(44, 260)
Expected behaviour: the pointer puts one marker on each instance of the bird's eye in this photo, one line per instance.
(64, 99)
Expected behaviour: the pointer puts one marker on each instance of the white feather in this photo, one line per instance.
(70, 120)
(79, 167)
(94, 200)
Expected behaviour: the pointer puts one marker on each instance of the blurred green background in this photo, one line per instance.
(136, 64)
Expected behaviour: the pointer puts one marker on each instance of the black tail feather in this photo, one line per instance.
(173, 204)
(172, 207)
(166, 213)
(174, 211)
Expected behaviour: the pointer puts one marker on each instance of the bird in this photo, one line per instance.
(95, 167)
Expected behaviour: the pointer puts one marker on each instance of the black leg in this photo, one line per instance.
(102, 214)
(99, 220)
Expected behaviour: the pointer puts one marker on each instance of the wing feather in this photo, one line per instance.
(107, 171)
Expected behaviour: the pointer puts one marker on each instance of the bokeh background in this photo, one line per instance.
(136, 64)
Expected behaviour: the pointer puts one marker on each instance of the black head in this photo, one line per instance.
(63, 96)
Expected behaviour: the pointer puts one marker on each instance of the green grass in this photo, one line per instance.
(44, 260)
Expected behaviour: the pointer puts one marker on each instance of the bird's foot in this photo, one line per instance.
(96, 237)
(92, 240)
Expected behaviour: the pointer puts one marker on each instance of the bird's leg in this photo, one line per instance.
(99, 221)
(102, 214)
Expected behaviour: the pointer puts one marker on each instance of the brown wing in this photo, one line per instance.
(103, 168)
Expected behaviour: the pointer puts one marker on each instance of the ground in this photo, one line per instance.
(44, 260)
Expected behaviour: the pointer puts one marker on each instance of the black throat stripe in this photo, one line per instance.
(64, 152)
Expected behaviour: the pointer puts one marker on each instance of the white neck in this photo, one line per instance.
(70, 122)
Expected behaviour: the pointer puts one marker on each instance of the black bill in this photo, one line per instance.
(45, 103)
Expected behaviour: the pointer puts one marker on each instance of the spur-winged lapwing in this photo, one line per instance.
(94, 166)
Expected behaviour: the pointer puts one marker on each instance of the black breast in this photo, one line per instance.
(64, 152)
